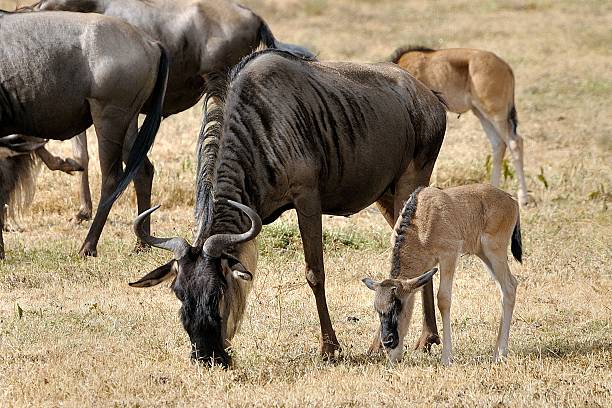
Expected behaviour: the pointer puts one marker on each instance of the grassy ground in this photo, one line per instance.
(73, 333)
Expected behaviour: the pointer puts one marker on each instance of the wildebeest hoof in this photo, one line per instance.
(426, 340)
(87, 250)
(330, 351)
(82, 215)
(69, 166)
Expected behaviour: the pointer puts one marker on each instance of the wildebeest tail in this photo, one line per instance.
(267, 39)
(517, 245)
(148, 130)
(17, 184)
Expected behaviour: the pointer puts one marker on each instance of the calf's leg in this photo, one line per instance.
(495, 259)
(445, 293)
(497, 144)
(309, 220)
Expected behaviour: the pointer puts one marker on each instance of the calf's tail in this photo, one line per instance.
(148, 130)
(516, 245)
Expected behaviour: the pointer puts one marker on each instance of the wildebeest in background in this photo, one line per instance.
(17, 164)
(60, 72)
(436, 227)
(317, 137)
(479, 81)
(200, 37)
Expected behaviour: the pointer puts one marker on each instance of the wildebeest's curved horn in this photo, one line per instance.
(177, 245)
(215, 244)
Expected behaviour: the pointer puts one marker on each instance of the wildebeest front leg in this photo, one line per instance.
(1, 237)
(309, 219)
(79, 150)
(143, 182)
(111, 126)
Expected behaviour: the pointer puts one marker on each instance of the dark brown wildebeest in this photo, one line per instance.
(60, 72)
(200, 36)
(479, 81)
(318, 137)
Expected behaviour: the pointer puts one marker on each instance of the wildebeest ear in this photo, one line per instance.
(157, 276)
(240, 272)
(238, 269)
(415, 283)
(371, 284)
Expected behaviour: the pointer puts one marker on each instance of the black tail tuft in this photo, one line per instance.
(148, 130)
(517, 245)
(513, 119)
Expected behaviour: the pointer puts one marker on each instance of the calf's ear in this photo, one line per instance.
(371, 284)
(156, 276)
(410, 285)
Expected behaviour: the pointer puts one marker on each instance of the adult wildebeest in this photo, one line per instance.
(318, 137)
(201, 37)
(473, 80)
(61, 72)
(436, 227)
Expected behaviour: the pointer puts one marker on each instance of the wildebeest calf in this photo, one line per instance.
(435, 227)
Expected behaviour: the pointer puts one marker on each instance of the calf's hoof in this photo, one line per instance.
(426, 340)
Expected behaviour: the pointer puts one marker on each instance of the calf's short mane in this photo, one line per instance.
(397, 54)
(400, 232)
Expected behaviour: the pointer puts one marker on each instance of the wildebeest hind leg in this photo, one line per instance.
(79, 150)
(111, 126)
(309, 219)
(143, 182)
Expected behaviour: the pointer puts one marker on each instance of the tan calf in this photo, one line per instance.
(479, 81)
(436, 227)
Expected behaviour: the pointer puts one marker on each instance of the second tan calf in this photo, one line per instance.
(479, 81)
(436, 227)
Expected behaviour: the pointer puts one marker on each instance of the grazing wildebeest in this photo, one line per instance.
(60, 72)
(201, 37)
(17, 175)
(479, 81)
(317, 137)
(436, 227)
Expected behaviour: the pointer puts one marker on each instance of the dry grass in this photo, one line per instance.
(73, 333)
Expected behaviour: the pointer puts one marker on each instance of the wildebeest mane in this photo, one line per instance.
(244, 61)
(207, 151)
(400, 233)
(397, 54)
